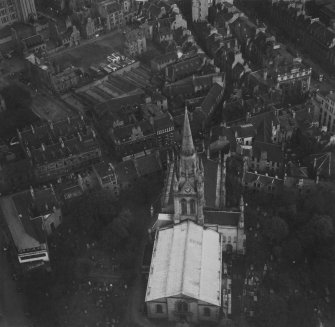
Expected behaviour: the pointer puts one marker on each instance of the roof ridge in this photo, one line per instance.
(169, 261)
(184, 256)
(201, 264)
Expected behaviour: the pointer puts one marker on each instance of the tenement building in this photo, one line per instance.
(59, 148)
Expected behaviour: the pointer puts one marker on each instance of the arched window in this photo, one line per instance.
(159, 308)
(183, 203)
(207, 312)
(223, 239)
(192, 207)
(229, 239)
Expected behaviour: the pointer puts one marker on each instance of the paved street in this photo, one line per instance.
(11, 302)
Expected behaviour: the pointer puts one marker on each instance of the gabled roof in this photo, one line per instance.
(25, 226)
(220, 135)
(210, 167)
(273, 151)
(244, 131)
(211, 99)
(186, 261)
(263, 123)
(148, 164)
(125, 133)
(115, 104)
(166, 58)
(163, 122)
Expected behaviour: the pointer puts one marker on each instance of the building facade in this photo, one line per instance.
(112, 13)
(107, 178)
(327, 110)
(135, 43)
(16, 10)
(199, 10)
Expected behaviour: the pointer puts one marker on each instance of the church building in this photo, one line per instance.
(185, 274)
(193, 231)
(195, 189)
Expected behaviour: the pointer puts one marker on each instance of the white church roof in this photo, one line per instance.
(186, 260)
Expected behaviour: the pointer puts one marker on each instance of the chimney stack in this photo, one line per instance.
(265, 74)
(32, 192)
(61, 142)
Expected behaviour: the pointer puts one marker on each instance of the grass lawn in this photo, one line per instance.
(91, 53)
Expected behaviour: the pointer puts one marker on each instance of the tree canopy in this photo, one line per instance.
(18, 114)
(275, 229)
(272, 311)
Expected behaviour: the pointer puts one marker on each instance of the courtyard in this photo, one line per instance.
(90, 52)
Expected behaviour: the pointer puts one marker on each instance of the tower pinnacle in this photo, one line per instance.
(187, 146)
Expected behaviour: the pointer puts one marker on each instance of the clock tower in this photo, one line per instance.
(188, 180)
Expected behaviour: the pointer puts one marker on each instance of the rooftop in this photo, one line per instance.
(186, 260)
(148, 164)
(126, 171)
(211, 98)
(222, 218)
(104, 169)
(273, 151)
(25, 227)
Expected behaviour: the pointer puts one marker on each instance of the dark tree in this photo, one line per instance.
(275, 229)
(292, 250)
(300, 312)
(18, 114)
(272, 311)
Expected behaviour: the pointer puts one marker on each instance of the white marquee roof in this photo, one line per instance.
(186, 260)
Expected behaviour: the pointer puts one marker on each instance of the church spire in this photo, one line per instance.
(187, 146)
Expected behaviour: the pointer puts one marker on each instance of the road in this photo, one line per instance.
(11, 302)
(136, 296)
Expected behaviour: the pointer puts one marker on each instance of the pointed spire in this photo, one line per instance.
(187, 146)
